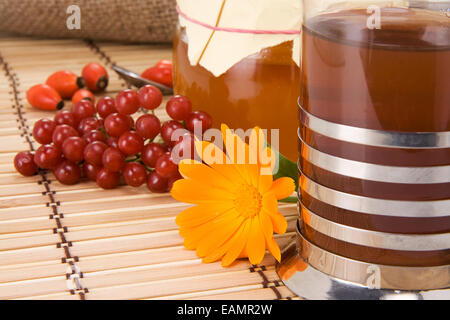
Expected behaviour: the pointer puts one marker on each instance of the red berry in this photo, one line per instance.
(172, 180)
(148, 126)
(43, 131)
(66, 117)
(185, 148)
(90, 171)
(127, 102)
(106, 106)
(61, 133)
(116, 124)
(83, 109)
(130, 121)
(151, 152)
(166, 147)
(24, 163)
(150, 97)
(156, 183)
(199, 119)
(131, 143)
(94, 135)
(165, 167)
(93, 152)
(113, 142)
(47, 156)
(113, 159)
(73, 149)
(179, 107)
(134, 174)
(167, 130)
(107, 179)
(88, 124)
(67, 172)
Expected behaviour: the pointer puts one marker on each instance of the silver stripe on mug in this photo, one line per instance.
(389, 277)
(309, 283)
(375, 239)
(376, 138)
(392, 208)
(375, 172)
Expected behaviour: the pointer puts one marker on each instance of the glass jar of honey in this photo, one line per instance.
(259, 88)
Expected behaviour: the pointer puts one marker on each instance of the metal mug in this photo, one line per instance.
(374, 187)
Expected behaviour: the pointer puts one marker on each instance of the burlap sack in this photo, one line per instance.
(123, 20)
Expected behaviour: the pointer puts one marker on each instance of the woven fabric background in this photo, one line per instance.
(122, 20)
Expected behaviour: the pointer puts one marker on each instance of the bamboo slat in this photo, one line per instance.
(122, 243)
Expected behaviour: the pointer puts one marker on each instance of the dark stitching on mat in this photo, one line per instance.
(108, 61)
(24, 130)
(265, 281)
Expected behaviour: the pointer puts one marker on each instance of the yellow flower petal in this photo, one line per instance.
(270, 207)
(194, 236)
(192, 191)
(268, 161)
(257, 143)
(188, 161)
(219, 252)
(204, 174)
(210, 153)
(266, 224)
(229, 171)
(224, 129)
(269, 202)
(279, 222)
(236, 149)
(283, 187)
(199, 214)
(215, 239)
(237, 152)
(265, 183)
(237, 244)
(273, 248)
(256, 243)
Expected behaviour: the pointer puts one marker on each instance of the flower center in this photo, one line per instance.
(248, 201)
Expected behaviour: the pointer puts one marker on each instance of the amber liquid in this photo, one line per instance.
(261, 90)
(396, 78)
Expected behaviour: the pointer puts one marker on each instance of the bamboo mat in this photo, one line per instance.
(81, 242)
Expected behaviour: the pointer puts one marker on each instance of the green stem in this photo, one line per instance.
(289, 200)
(137, 159)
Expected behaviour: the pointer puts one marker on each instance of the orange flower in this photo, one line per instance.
(236, 208)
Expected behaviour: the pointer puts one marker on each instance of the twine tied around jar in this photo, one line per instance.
(235, 30)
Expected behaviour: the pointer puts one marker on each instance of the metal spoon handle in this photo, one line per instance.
(137, 81)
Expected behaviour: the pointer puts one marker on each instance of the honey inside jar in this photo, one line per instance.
(260, 90)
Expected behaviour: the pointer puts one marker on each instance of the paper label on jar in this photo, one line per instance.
(218, 51)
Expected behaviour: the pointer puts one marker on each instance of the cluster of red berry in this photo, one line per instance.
(104, 143)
